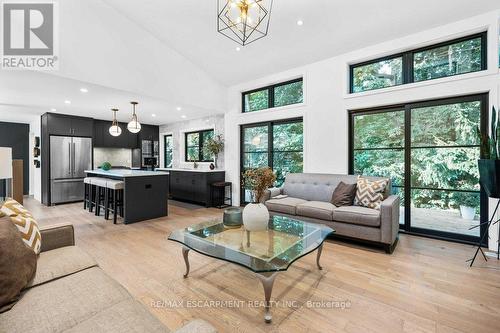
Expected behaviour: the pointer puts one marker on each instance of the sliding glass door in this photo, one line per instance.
(278, 145)
(430, 151)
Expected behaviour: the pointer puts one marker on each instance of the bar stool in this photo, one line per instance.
(88, 193)
(99, 193)
(87, 183)
(218, 194)
(114, 194)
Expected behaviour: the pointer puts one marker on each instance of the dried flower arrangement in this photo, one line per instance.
(258, 181)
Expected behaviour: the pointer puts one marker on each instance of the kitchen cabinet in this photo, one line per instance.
(194, 186)
(103, 139)
(149, 133)
(59, 124)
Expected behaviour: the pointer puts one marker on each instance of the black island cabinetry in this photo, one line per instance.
(193, 186)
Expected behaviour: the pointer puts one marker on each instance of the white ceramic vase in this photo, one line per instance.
(255, 217)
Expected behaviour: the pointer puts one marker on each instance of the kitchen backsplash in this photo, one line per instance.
(115, 156)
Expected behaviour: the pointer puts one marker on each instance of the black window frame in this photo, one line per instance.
(270, 145)
(408, 60)
(270, 94)
(165, 164)
(200, 145)
(407, 107)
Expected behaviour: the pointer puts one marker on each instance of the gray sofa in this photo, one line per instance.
(309, 199)
(70, 293)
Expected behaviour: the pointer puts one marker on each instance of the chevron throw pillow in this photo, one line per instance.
(370, 193)
(12, 208)
(25, 223)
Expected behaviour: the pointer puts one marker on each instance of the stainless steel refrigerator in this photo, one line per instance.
(69, 158)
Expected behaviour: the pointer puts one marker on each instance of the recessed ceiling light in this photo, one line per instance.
(153, 115)
(67, 102)
(179, 108)
(183, 116)
(238, 48)
(300, 22)
(84, 90)
(53, 110)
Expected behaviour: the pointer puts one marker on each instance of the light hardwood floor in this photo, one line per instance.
(425, 286)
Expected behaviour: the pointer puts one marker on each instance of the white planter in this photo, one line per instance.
(255, 217)
(468, 213)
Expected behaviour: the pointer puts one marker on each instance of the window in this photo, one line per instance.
(278, 145)
(168, 151)
(281, 94)
(378, 74)
(448, 60)
(459, 56)
(430, 151)
(194, 143)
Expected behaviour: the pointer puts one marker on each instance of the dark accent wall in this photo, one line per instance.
(17, 136)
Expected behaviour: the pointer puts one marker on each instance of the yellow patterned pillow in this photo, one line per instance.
(29, 230)
(25, 223)
(12, 208)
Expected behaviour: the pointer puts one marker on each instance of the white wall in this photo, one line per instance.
(326, 100)
(178, 129)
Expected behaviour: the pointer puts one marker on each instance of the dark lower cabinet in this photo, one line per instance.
(194, 186)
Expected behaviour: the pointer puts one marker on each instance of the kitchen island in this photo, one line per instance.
(145, 194)
(193, 185)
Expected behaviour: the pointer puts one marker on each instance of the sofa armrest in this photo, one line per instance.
(389, 223)
(57, 236)
(272, 192)
(197, 326)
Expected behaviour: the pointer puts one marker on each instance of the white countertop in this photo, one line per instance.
(123, 173)
(190, 170)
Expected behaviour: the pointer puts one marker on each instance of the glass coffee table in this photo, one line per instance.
(263, 252)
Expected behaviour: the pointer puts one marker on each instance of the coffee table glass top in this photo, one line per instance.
(272, 250)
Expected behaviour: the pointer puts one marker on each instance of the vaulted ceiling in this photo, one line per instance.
(168, 54)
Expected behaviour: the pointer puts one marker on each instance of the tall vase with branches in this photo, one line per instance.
(214, 146)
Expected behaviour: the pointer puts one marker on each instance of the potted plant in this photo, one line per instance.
(489, 164)
(214, 146)
(467, 203)
(255, 214)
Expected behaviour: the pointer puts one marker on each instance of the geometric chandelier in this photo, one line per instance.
(243, 21)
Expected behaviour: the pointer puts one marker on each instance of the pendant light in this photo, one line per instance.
(115, 130)
(134, 126)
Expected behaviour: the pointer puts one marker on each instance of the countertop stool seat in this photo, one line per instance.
(114, 195)
(99, 185)
(88, 196)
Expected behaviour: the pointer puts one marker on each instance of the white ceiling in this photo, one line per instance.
(166, 54)
(331, 27)
(28, 94)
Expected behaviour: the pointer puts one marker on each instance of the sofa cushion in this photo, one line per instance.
(128, 316)
(316, 209)
(285, 205)
(370, 193)
(357, 215)
(17, 264)
(63, 303)
(61, 262)
(344, 194)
